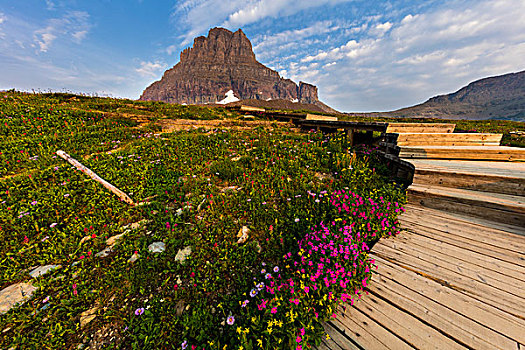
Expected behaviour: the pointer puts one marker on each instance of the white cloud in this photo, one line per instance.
(422, 55)
(200, 15)
(80, 35)
(74, 25)
(45, 40)
(150, 69)
(381, 28)
(50, 5)
(2, 20)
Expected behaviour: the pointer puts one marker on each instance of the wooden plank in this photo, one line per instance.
(503, 283)
(337, 340)
(367, 332)
(472, 167)
(493, 200)
(489, 238)
(451, 323)
(483, 237)
(320, 117)
(420, 127)
(449, 137)
(486, 183)
(487, 293)
(406, 242)
(404, 325)
(516, 259)
(498, 153)
(123, 196)
(455, 252)
(483, 313)
(410, 143)
(492, 229)
(493, 206)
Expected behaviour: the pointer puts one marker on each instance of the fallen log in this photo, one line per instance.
(123, 196)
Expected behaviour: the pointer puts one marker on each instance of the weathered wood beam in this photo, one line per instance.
(123, 196)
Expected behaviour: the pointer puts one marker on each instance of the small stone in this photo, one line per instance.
(236, 159)
(42, 270)
(85, 239)
(179, 212)
(135, 225)
(229, 188)
(199, 207)
(15, 294)
(243, 235)
(104, 252)
(88, 316)
(179, 308)
(114, 239)
(258, 247)
(183, 254)
(134, 257)
(179, 281)
(157, 247)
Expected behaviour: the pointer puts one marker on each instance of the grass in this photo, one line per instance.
(278, 225)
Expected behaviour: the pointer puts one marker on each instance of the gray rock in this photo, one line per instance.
(88, 316)
(157, 247)
(134, 257)
(199, 207)
(42, 270)
(104, 253)
(15, 294)
(243, 235)
(85, 239)
(183, 254)
(114, 239)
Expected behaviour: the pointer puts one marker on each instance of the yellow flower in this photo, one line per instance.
(270, 330)
(327, 336)
(259, 342)
(239, 330)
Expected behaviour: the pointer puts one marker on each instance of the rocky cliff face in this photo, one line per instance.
(220, 62)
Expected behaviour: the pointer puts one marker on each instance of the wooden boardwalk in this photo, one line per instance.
(446, 282)
(454, 278)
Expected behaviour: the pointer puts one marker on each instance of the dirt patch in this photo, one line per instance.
(169, 125)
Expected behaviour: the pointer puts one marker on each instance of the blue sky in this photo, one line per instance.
(363, 55)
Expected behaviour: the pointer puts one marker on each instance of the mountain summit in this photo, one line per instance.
(221, 62)
(498, 97)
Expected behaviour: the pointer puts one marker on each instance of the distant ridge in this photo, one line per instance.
(498, 97)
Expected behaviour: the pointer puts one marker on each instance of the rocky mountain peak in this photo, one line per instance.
(218, 63)
(221, 46)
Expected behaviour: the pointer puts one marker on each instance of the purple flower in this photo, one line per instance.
(276, 269)
(268, 276)
(53, 225)
(230, 320)
(253, 292)
(139, 311)
(184, 344)
(260, 286)
(244, 303)
(34, 203)
(297, 220)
